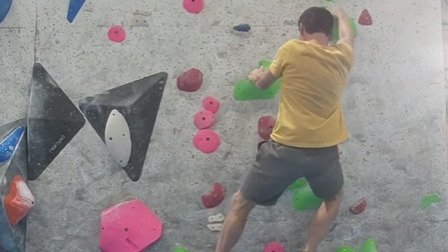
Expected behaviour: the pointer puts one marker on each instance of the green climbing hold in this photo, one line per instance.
(430, 199)
(336, 29)
(297, 185)
(264, 63)
(369, 246)
(245, 90)
(304, 199)
(180, 250)
(345, 249)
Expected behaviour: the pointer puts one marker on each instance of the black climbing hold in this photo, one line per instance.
(53, 121)
(139, 103)
(13, 238)
(242, 27)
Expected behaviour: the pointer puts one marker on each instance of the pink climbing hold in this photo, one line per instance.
(211, 104)
(265, 126)
(117, 34)
(129, 227)
(204, 119)
(193, 6)
(274, 247)
(207, 141)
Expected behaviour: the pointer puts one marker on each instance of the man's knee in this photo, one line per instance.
(241, 204)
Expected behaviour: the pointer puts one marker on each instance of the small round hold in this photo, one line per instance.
(117, 34)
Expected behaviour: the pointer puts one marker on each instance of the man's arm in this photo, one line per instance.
(346, 33)
(264, 78)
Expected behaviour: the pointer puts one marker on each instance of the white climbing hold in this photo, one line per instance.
(216, 218)
(118, 138)
(215, 227)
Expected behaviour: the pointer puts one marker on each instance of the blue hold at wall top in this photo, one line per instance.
(5, 6)
(9, 144)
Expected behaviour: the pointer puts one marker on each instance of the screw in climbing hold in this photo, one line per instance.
(242, 27)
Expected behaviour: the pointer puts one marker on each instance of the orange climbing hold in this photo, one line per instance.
(359, 206)
(365, 18)
(19, 201)
(190, 81)
(265, 126)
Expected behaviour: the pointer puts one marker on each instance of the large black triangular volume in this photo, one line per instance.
(139, 103)
(53, 121)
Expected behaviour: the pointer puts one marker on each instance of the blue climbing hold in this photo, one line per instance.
(73, 8)
(242, 27)
(5, 6)
(9, 144)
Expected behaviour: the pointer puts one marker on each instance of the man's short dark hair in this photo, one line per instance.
(317, 20)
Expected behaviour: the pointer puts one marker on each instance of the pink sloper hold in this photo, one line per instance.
(204, 119)
(207, 141)
(274, 247)
(116, 34)
(211, 104)
(193, 6)
(129, 227)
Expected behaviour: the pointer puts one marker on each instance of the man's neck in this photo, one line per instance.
(319, 39)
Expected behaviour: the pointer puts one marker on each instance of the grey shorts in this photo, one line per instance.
(277, 166)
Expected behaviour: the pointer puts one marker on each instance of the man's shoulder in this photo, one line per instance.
(292, 43)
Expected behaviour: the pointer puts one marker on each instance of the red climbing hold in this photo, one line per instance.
(211, 104)
(274, 247)
(19, 201)
(207, 141)
(190, 81)
(204, 119)
(129, 227)
(214, 197)
(359, 206)
(365, 18)
(193, 6)
(265, 126)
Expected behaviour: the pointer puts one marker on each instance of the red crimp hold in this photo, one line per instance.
(214, 197)
(190, 81)
(365, 18)
(359, 206)
(265, 126)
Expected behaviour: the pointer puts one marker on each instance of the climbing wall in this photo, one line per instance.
(169, 76)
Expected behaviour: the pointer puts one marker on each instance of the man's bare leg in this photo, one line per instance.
(234, 224)
(322, 221)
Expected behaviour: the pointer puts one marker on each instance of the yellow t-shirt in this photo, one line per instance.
(313, 81)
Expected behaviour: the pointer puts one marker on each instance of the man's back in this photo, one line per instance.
(313, 81)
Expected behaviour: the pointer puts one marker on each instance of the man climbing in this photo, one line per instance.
(309, 127)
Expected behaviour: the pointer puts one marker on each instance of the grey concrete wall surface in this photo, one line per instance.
(394, 106)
